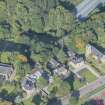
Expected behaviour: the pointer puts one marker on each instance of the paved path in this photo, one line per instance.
(65, 100)
(88, 67)
(79, 69)
(93, 71)
(92, 86)
(96, 94)
(29, 95)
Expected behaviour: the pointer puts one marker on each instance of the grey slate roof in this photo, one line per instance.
(75, 58)
(87, 6)
(96, 52)
(27, 84)
(70, 53)
(53, 64)
(5, 68)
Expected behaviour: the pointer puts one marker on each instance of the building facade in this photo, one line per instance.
(6, 71)
(94, 52)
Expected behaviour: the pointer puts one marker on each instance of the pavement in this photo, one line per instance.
(92, 86)
(92, 70)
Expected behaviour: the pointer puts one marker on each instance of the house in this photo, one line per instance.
(86, 7)
(52, 64)
(75, 60)
(6, 72)
(36, 74)
(47, 77)
(57, 67)
(60, 70)
(98, 55)
(28, 83)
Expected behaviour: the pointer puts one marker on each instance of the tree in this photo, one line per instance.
(22, 58)
(42, 82)
(73, 101)
(74, 97)
(54, 101)
(59, 20)
(37, 99)
(5, 102)
(63, 86)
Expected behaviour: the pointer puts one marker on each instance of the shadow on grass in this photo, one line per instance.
(12, 47)
(54, 101)
(41, 37)
(71, 80)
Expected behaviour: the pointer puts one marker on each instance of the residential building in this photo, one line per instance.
(75, 60)
(97, 54)
(57, 68)
(47, 76)
(52, 64)
(60, 70)
(6, 71)
(28, 83)
(86, 7)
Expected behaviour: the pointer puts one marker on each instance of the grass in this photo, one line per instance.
(100, 67)
(28, 102)
(85, 74)
(87, 97)
(78, 84)
(10, 88)
(88, 75)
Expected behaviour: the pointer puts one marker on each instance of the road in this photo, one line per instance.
(92, 86)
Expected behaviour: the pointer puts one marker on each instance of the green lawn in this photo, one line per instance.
(90, 77)
(100, 67)
(28, 102)
(78, 84)
(87, 75)
(8, 87)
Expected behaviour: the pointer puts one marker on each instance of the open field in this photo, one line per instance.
(98, 66)
(78, 84)
(85, 73)
(8, 87)
(28, 101)
(83, 76)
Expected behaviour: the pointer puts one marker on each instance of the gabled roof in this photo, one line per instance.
(36, 74)
(75, 58)
(70, 53)
(5, 68)
(96, 52)
(87, 6)
(59, 69)
(53, 63)
(27, 84)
